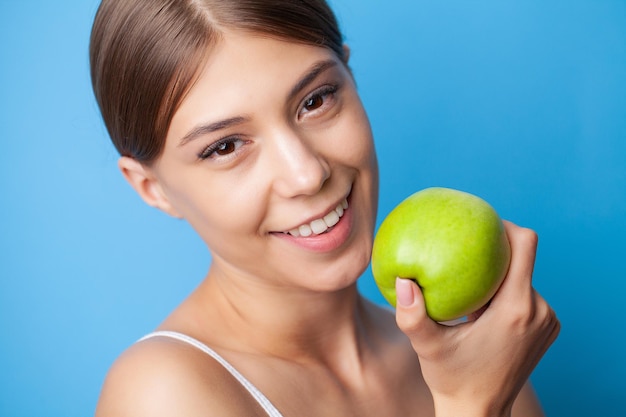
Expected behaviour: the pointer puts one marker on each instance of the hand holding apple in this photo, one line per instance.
(479, 368)
(453, 244)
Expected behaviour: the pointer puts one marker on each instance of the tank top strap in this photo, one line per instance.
(254, 391)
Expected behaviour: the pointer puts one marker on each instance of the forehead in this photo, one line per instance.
(241, 69)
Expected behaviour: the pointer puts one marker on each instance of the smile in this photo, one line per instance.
(319, 226)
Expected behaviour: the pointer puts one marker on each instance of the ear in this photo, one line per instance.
(142, 179)
(346, 53)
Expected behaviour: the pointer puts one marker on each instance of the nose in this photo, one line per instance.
(299, 168)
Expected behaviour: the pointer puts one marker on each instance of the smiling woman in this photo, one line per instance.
(243, 118)
(256, 129)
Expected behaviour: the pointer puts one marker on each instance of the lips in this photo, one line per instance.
(321, 225)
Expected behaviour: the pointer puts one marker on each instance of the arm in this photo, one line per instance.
(478, 368)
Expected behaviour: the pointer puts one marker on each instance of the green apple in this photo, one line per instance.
(453, 244)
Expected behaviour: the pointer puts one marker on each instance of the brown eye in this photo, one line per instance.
(225, 148)
(222, 148)
(314, 102)
(319, 101)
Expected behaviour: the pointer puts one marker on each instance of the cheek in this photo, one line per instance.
(214, 208)
(363, 155)
(354, 141)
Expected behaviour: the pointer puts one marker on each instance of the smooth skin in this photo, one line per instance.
(272, 136)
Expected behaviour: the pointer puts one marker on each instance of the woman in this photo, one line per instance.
(242, 117)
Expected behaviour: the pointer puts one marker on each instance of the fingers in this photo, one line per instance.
(525, 309)
(411, 314)
(548, 322)
(498, 346)
(523, 242)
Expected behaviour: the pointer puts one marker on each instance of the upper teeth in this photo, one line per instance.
(319, 226)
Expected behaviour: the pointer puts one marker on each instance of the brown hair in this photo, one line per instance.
(145, 55)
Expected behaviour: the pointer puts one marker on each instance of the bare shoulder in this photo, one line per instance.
(163, 377)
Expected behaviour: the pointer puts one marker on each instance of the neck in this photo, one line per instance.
(281, 321)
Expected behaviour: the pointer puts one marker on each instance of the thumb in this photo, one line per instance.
(411, 315)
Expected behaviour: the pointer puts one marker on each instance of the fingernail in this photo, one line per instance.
(405, 295)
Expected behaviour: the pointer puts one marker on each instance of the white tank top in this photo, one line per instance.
(256, 394)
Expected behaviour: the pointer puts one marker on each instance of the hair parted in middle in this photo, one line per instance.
(146, 54)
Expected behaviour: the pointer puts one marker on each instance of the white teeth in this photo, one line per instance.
(305, 230)
(331, 218)
(319, 226)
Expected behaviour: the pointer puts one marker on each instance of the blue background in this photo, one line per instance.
(520, 102)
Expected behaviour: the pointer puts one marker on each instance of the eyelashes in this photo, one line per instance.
(319, 100)
(222, 148)
(316, 104)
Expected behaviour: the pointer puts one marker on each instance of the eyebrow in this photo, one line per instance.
(307, 79)
(310, 76)
(210, 128)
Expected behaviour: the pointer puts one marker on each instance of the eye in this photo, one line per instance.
(222, 148)
(319, 101)
(314, 102)
(225, 148)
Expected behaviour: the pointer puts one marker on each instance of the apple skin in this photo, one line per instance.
(452, 243)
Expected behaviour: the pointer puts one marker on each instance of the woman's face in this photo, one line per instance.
(270, 158)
